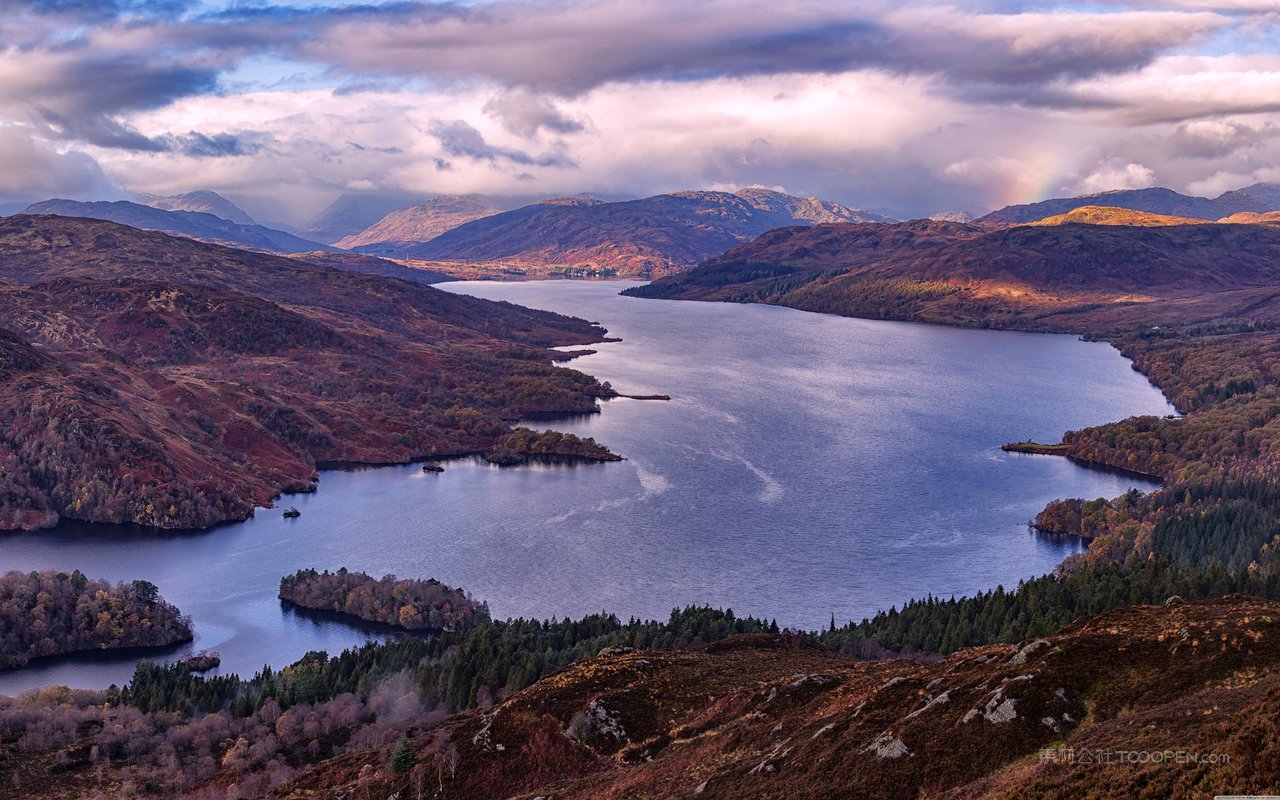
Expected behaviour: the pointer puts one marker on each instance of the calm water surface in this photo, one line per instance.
(807, 465)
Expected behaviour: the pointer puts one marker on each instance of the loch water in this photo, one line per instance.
(807, 465)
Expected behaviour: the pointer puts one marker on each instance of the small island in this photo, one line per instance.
(415, 605)
(52, 613)
(522, 444)
(1036, 448)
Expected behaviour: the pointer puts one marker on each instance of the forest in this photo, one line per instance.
(416, 605)
(52, 613)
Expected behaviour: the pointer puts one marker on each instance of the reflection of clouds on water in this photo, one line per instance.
(652, 484)
(705, 410)
(771, 492)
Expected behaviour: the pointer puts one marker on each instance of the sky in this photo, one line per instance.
(905, 107)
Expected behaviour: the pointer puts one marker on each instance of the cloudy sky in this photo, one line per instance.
(906, 106)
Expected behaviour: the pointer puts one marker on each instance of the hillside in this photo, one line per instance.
(406, 227)
(195, 225)
(159, 380)
(1266, 193)
(650, 237)
(1184, 708)
(1064, 276)
(1153, 201)
(372, 265)
(203, 202)
(761, 716)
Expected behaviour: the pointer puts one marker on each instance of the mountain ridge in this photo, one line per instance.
(1155, 200)
(197, 225)
(202, 201)
(651, 236)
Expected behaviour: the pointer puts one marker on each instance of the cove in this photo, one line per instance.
(807, 465)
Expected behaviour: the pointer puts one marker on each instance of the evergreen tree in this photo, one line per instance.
(403, 758)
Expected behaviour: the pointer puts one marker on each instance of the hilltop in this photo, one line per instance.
(204, 201)
(1110, 215)
(159, 380)
(191, 224)
(1156, 200)
(654, 236)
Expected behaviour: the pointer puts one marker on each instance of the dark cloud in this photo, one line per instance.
(524, 113)
(461, 140)
(216, 146)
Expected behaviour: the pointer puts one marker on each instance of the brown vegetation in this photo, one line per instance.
(767, 717)
(162, 381)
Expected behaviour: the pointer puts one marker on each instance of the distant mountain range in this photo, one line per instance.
(1258, 198)
(350, 214)
(407, 227)
(192, 224)
(650, 237)
(203, 202)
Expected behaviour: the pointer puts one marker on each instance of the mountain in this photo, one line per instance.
(654, 236)
(806, 209)
(194, 225)
(952, 216)
(204, 202)
(1154, 201)
(1146, 702)
(160, 380)
(351, 213)
(1065, 276)
(1266, 193)
(1111, 215)
(406, 227)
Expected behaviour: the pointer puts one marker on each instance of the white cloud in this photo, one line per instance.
(1116, 176)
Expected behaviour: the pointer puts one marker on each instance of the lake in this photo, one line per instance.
(807, 465)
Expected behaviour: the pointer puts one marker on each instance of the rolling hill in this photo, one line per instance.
(1110, 215)
(1153, 201)
(164, 381)
(654, 236)
(195, 225)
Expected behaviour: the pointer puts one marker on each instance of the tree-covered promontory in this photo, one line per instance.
(410, 604)
(51, 613)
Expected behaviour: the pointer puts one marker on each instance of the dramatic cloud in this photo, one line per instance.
(909, 107)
